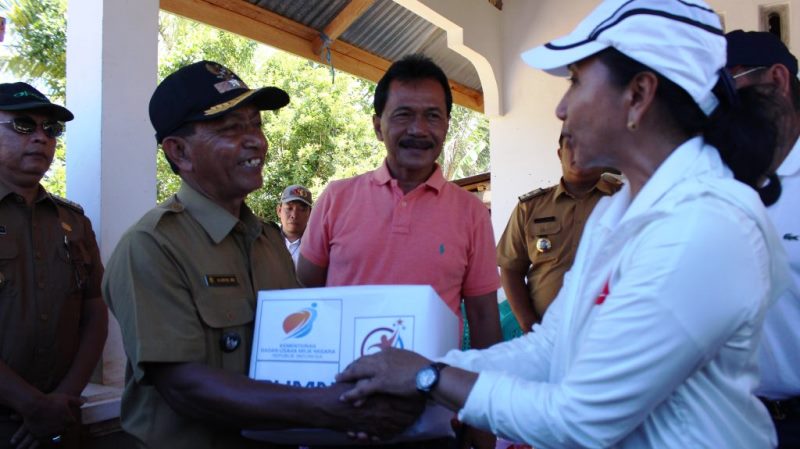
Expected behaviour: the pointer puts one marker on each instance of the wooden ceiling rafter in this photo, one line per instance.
(253, 22)
(340, 23)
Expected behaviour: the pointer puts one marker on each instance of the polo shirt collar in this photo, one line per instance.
(215, 220)
(436, 180)
(791, 165)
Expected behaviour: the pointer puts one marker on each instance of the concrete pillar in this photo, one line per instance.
(112, 61)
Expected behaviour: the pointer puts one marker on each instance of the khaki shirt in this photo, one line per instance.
(49, 265)
(553, 219)
(183, 283)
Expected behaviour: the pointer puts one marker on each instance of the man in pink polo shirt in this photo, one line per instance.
(403, 223)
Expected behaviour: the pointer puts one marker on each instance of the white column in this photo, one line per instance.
(112, 59)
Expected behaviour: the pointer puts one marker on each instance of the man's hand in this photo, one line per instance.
(473, 438)
(378, 417)
(391, 371)
(48, 416)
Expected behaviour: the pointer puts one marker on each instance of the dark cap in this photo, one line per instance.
(202, 91)
(23, 97)
(758, 48)
(296, 193)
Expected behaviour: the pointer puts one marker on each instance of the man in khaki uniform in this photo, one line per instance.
(183, 281)
(53, 322)
(542, 235)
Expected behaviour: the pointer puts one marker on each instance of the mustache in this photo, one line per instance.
(419, 144)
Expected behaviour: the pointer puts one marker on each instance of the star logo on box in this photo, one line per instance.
(299, 324)
(381, 338)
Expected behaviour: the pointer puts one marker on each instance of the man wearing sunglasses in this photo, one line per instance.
(759, 60)
(53, 321)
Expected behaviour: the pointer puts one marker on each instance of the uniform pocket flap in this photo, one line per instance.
(220, 310)
(548, 228)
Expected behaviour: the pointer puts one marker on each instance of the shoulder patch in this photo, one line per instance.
(612, 178)
(533, 194)
(153, 217)
(67, 203)
(613, 181)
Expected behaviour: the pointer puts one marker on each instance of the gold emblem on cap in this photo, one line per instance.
(543, 245)
(222, 107)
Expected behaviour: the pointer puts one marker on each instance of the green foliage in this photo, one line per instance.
(39, 52)
(466, 151)
(325, 133)
(55, 180)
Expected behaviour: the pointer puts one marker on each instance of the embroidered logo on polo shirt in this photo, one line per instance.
(221, 280)
(441, 248)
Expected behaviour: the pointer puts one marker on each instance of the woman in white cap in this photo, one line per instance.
(650, 343)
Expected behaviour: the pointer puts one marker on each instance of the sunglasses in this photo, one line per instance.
(27, 125)
(748, 71)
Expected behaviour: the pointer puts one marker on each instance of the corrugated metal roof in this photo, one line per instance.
(386, 30)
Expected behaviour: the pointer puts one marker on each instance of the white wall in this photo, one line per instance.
(524, 140)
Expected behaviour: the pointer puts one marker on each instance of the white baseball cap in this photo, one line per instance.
(680, 39)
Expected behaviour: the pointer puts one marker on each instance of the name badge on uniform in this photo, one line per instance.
(221, 280)
(543, 245)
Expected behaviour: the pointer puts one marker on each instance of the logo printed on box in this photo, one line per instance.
(299, 324)
(378, 333)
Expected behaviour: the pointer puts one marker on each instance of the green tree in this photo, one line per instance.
(39, 51)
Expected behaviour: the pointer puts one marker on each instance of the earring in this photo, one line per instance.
(632, 126)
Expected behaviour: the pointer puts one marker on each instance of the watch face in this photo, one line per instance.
(426, 378)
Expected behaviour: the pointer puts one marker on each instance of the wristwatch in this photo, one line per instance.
(428, 377)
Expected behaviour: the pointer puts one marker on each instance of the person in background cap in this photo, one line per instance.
(293, 211)
(182, 282)
(761, 61)
(651, 341)
(53, 322)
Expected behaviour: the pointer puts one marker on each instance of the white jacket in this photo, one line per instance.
(667, 359)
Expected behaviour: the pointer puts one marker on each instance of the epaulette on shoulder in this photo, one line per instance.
(533, 194)
(612, 178)
(67, 203)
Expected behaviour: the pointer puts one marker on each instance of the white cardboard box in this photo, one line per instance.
(304, 337)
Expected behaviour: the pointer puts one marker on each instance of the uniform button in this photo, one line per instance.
(44, 317)
(230, 341)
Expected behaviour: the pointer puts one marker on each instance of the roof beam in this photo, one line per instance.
(253, 22)
(340, 23)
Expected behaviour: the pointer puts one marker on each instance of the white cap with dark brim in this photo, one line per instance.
(681, 40)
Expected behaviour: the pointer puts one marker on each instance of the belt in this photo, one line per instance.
(783, 408)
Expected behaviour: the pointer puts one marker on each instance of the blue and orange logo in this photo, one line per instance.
(383, 337)
(298, 324)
